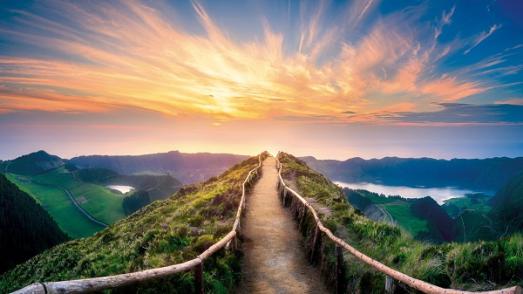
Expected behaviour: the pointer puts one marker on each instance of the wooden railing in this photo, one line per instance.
(391, 275)
(196, 264)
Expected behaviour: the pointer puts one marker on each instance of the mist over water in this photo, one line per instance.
(122, 188)
(439, 194)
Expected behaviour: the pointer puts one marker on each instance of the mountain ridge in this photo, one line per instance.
(187, 167)
(482, 174)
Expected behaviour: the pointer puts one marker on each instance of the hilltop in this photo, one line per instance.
(33, 163)
(163, 233)
(26, 229)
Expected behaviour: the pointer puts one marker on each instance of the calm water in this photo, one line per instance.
(121, 188)
(439, 194)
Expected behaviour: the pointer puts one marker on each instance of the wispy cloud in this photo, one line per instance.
(482, 37)
(128, 54)
(458, 113)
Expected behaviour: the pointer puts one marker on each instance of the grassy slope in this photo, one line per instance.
(48, 188)
(164, 232)
(56, 202)
(477, 202)
(467, 266)
(398, 208)
(402, 213)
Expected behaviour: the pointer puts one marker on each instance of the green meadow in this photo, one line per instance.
(49, 189)
(402, 213)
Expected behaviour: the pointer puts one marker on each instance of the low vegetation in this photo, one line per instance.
(473, 266)
(163, 233)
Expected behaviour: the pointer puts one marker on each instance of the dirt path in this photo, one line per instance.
(274, 260)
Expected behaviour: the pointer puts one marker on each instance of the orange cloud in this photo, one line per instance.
(135, 57)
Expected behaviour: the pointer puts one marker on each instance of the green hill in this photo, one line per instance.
(474, 265)
(507, 205)
(422, 218)
(157, 186)
(26, 229)
(55, 188)
(33, 163)
(163, 233)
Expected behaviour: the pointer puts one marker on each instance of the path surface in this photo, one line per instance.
(274, 259)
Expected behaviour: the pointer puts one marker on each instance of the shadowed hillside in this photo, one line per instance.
(26, 229)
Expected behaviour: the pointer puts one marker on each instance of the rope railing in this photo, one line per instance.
(115, 281)
(390, 273)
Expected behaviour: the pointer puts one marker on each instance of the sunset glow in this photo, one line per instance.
(186, 72)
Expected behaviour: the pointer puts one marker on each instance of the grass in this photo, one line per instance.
(477, 202)
(163, 233)
(57, 203)
(48, 189)
(402, 214)
(473, 266)
(102, 203)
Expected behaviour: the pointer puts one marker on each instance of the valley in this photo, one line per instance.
(82, 201)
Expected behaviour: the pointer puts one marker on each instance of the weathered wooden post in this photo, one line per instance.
(303, 216)
(315, 243)
(390, 285)
(340, 276)
(198, 278)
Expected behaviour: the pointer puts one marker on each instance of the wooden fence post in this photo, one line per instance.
(315, 243)
(340, 276)
(390, 286)
(198, 278)
(303, 214)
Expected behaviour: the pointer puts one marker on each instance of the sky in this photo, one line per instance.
(332, 79)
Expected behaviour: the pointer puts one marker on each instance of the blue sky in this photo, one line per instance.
(372, 78)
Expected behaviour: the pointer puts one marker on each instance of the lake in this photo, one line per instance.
(123, 189)
(439, 194)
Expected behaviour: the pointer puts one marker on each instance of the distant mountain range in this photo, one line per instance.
(480, 174)
(187, 167)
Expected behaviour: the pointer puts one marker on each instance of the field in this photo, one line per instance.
(477, 202)
(402, 214)
(49, 189)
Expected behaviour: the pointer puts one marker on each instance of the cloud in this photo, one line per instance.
(511, 101)
(482, 37)
(129, 54)
(458, 113)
